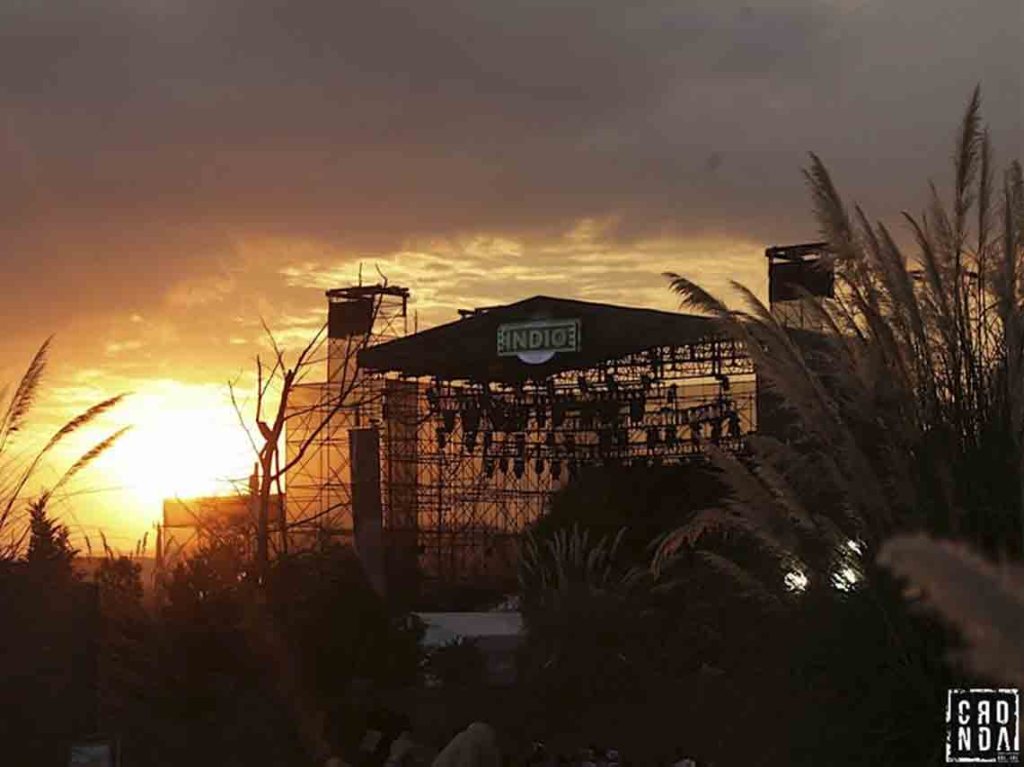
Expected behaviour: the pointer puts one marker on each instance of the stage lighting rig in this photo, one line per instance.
(520, 441)
(448, 419)
(670, 436)
(542, 416)
(558, 410)
(636, 409)
(470, 418)
(734, 424)
(696, 432)
(652, 437)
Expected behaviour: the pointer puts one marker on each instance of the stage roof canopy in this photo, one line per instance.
(467, 349)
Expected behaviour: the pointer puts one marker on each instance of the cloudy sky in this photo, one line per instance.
(172, 170)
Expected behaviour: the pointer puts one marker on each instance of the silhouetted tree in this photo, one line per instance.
(49, 552)
(276, 383)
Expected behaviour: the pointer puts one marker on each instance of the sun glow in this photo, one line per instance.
(185, 441)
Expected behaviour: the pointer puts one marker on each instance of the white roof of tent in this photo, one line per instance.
(446, 627)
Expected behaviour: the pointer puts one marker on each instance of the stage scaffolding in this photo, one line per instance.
(321, 413)
(468, 466)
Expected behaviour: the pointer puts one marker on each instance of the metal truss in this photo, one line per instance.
(469, 466)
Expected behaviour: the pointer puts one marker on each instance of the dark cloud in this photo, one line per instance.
(139, 140)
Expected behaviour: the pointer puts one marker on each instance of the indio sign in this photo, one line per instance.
(537, 341)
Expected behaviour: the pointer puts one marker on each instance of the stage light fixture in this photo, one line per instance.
(519, 468)
(538, 466)
(556, 468)
(470, 440)
(652, 437)
(488, 440)
(636, 410)
(670, 436)
(558, 413)
(448, 419)
(470, 418)
(520, 440)
(503, 464)
(442, 439)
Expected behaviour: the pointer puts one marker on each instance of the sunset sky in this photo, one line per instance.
(174, 170)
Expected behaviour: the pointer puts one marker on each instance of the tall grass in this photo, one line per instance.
(985, 601)
(910, 404)
(18, 470)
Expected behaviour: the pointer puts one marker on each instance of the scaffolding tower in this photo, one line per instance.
(797, 276)
(321, 413)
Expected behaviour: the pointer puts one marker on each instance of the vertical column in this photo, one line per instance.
(402, 482)
(364, 445)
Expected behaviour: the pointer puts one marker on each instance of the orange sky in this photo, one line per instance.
(174, 171)
(177, 359)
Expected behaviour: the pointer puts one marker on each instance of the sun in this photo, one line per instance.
(185, 441)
